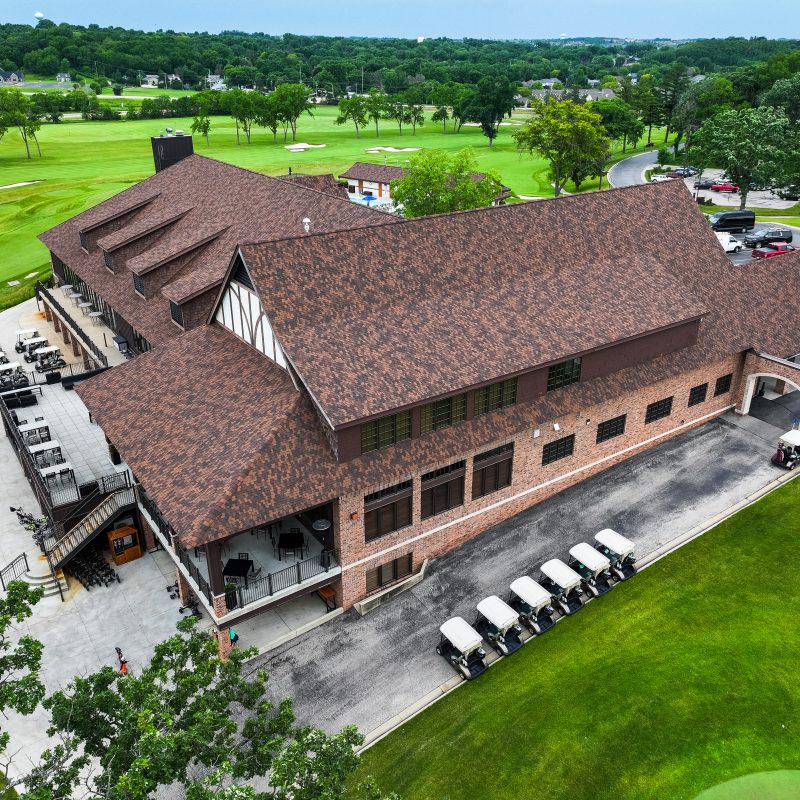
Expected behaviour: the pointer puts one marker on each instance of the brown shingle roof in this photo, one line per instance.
(441, 303)
(247, 205)
(385, 173)
(322, 183)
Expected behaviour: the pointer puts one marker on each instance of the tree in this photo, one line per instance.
(399, 111)
(567, 135)
(375, 106)
(16, 111)
(124, 736)
(266, 113)
(48, 104)
(441, 115)
(291, 102)
(619, 120)
(493, 100)
(242, 109)
(117, 89)
(698, 102)
(201, 125)
(417, 115)
(436, 183)
(647, 102)
(352, 109)
(754, 146)
(462, 103)
(785, 94)
(672, 83)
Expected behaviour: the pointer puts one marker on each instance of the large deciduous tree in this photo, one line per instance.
(16, 111)
(437, 183)
(568, 135)
(620, 120)
(493, 100)
(375, 106)
(785, 94)
(697, 103)
(754, 146)
(352, 109)
(291, 102)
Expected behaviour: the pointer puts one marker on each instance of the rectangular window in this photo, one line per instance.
(176, 312)
(492, 470)
(498, 395)
(658, 410)
(697, 394)
(611, 428)
(442, 490)
(138, 283)
(385, 431)
(389, 572)
(84, 240)
(387, 510)
(560, 448)
(442, 413)
(108, 259)
(563, 374)
(723, 384)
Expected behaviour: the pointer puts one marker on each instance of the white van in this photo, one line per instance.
(730, 244)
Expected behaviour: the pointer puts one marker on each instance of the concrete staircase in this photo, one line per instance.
(47, 581)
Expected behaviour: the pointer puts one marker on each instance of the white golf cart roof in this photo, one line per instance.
(26, 334)
(615, 542)
(531, 592)
(589, 557)
(792, 438)
(35, 340)
(10, 367)
(45, 351)
(561, 574)
(460, 634)
(500, 614)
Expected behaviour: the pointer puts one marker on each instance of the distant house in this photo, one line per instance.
(64, 77)
(586, 94)
(212, 80)
(546, 83)
(373, 180)
(150, 81)
(171, 78)
(11, 76)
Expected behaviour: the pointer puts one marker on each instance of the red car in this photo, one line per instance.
(724, 187)
(772, 250)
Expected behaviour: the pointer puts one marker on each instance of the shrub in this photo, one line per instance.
(117, 89)
(663, 156)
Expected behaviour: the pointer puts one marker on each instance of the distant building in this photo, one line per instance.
(11, 76)
(420, 39)
(213, 79)
(585, 94)
(150, 81)
(64, 77)
(546, 83)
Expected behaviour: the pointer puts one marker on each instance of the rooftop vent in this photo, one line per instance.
(307, 225)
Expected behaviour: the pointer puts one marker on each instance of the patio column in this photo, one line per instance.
(184, 592)
(76, 348)
(214, 564)
(48, 312)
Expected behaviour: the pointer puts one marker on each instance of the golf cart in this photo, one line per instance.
(12, 376)
(564, 584)
(22, 336)
(593, 567)
(460, 646)
(31, 346)
(619, 551)
(48, 358)
(498, 623)
(788, 453)
(533, 603)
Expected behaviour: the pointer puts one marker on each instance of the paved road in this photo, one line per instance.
(744, 258)
(628, 172)
(364, 670)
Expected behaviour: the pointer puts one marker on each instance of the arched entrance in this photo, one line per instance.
(752, 382)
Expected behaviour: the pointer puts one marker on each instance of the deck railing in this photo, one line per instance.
(195, 574)
(19, 566)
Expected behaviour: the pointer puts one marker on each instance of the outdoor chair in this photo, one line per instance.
(244, 556)
(255, 570)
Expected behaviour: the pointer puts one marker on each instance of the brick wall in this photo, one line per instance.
(531, 481)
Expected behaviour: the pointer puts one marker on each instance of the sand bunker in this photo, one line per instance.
(298, 147)
(15, 185)
(392, 149)
(477, 124)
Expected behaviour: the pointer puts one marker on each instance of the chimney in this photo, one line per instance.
(169, 149)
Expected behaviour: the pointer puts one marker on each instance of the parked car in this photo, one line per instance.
(767, 236)
(660, 178)
(682, 172)
(724, 186)
(730, 244)
(704, 183)
(788, 194)
(772, 250)
(733, 221)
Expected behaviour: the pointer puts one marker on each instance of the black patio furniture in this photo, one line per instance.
(294, 541)
(237, 568)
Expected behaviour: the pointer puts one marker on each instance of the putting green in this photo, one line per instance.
(780, 785)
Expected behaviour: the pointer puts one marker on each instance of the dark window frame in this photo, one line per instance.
(138, 284)
(660, 409)
(389, 572)
(383, 432)
(108, 260)
(495, 396)
(84, 240)
(697, 395)
(558, 449)
(723, 384)
(442, 490)
(443, 413)
(176, 312)
(388, 510)
(565, 373)
(492, 470)
(611, 428)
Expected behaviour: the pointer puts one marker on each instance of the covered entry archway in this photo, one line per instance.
(761, 366)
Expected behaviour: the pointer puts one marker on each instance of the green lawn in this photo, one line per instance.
(86, 162)
(680, 679)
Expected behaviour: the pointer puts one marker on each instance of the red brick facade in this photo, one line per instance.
(531, 482)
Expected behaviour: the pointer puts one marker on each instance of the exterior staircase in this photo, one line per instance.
(48, 582)
(72, 541)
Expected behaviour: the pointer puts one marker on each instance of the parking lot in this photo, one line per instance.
(744, 258)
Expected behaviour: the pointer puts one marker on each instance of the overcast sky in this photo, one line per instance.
(501, 19)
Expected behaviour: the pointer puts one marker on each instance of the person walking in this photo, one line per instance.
(234, 637)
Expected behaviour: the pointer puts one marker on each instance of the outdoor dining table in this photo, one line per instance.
(66, 287)
(95, 316)
(56, 470)
(74, 296)
(238, 568)
(83, 306)
(291, 541)
(35, 432)
(45, 451)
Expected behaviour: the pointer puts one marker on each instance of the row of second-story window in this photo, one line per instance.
(434, 416)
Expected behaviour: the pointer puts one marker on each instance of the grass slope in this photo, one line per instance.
(680, 679)
(86, 162)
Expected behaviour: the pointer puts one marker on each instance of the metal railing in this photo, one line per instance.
(275, 582)
(90, 346)
(19, 566)
(195, 574)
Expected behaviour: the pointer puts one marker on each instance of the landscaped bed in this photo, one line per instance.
(682, 678)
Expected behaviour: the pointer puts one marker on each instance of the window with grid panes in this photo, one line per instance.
(138, 283)
(563, 374)
(658, 410)
(611, 428)
(442, 413)
(108, 259)
(492, 470)
(442, 489)
(387, 510)
(697, 394)
(560, 448)
(498, 395)
(176, 312)
(389, 572)
(723, 384)
(385, 431)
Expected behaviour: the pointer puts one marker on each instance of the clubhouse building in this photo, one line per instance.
(323, 397)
